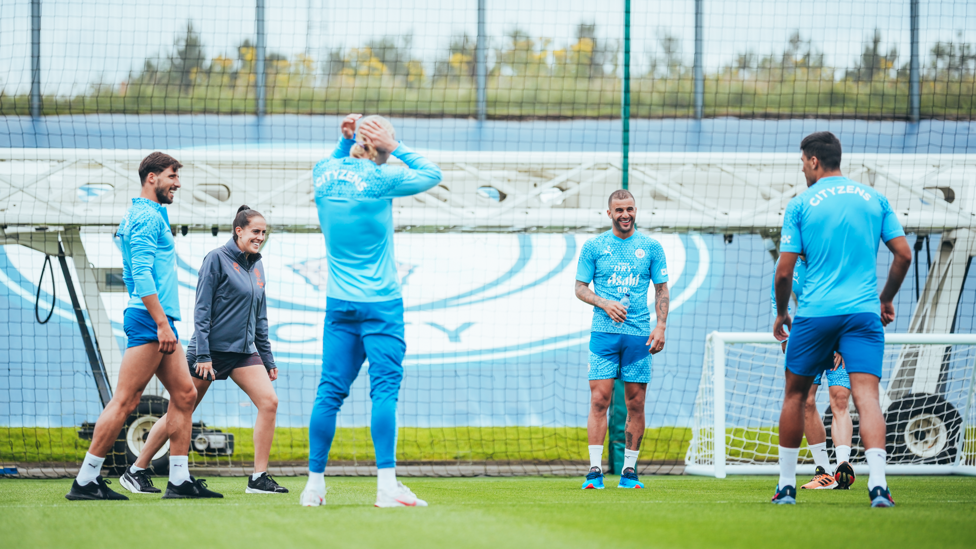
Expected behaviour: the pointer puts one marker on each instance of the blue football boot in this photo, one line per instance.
(629, 479)
(880, 497)
(785, 495)
(594, 479)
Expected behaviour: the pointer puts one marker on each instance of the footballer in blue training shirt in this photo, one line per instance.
(621, 263)
(153, 348)
(841, 430)
(836, 224)
(354, 192)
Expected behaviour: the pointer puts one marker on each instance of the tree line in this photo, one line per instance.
(533, 77)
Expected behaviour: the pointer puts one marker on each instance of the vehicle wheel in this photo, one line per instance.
(922, 428)
(128, 446)
(856, 449)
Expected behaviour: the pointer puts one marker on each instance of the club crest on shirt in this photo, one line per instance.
(639, 252)
(316, 272)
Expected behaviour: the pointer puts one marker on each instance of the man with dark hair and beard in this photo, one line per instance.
(622, 263)
(149, 273)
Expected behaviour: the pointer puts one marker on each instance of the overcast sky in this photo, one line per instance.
(84, 41)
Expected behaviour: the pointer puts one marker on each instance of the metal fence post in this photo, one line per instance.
(699, 72)
(35, 89)
(625, 100)
(481, 65)
(259, 68)
(914, 91)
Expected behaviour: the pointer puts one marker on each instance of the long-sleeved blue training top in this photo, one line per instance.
(354, 198)
(149, 256)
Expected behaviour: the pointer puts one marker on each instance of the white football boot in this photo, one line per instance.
(401, 497)
(312, 498)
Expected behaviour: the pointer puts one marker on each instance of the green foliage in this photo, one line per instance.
(461, 444)
(532, 78)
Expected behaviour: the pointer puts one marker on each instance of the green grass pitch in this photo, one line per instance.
(501, 512)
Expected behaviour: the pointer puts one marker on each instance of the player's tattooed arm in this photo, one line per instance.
(662, 302)
(616, 311)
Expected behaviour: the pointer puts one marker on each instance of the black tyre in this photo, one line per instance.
(857, 449)
(134, 433)
(922, 428)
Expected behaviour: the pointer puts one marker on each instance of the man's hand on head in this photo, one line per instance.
(348, 125)
(373, 133)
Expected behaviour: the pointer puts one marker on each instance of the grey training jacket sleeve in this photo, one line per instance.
(207, 280)
(261, 335)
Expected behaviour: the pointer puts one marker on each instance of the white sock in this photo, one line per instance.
(133, 469)
(179, 469)
(316, 482)
(386, 479)
(820, 456)
(596, 456)
(630, 458)
(256, 476)
(843, 454)
(876, 466)
(787, 466)
(90, 469)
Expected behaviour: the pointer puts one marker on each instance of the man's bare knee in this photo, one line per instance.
(128, 403)
(838, 405)
(599, 402)
(184, 398)
(635, 406)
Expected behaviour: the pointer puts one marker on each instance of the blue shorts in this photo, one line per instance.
(835, 378)
(859, 338)
(621, 356)
(140, 327)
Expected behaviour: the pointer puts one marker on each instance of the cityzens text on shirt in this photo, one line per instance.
(840, 189)
(341, 175)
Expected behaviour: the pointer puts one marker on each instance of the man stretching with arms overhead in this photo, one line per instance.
(836, 225)
(149, 273)
(621, 263)
(354, 192)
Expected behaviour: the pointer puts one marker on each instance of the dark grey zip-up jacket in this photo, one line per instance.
(231, 312)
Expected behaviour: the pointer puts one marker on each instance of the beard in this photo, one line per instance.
(162, 195)
(633, 225)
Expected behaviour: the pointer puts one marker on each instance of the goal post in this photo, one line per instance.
(926, 397)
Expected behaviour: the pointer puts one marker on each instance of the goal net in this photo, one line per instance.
(535, 112)
(926, 398)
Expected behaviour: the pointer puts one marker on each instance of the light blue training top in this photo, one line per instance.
(799, 277)
(149, 256)
(354, 198)
(837, 224)
(618, 266)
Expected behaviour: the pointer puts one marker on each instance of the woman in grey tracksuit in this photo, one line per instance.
(230, 339)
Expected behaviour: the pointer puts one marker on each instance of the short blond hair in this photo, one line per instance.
(367, 151)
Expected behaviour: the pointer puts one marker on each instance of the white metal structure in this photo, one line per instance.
(708, 192)
(741, 389)
(48, 195)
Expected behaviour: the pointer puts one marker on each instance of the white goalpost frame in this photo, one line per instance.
(720, 468)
